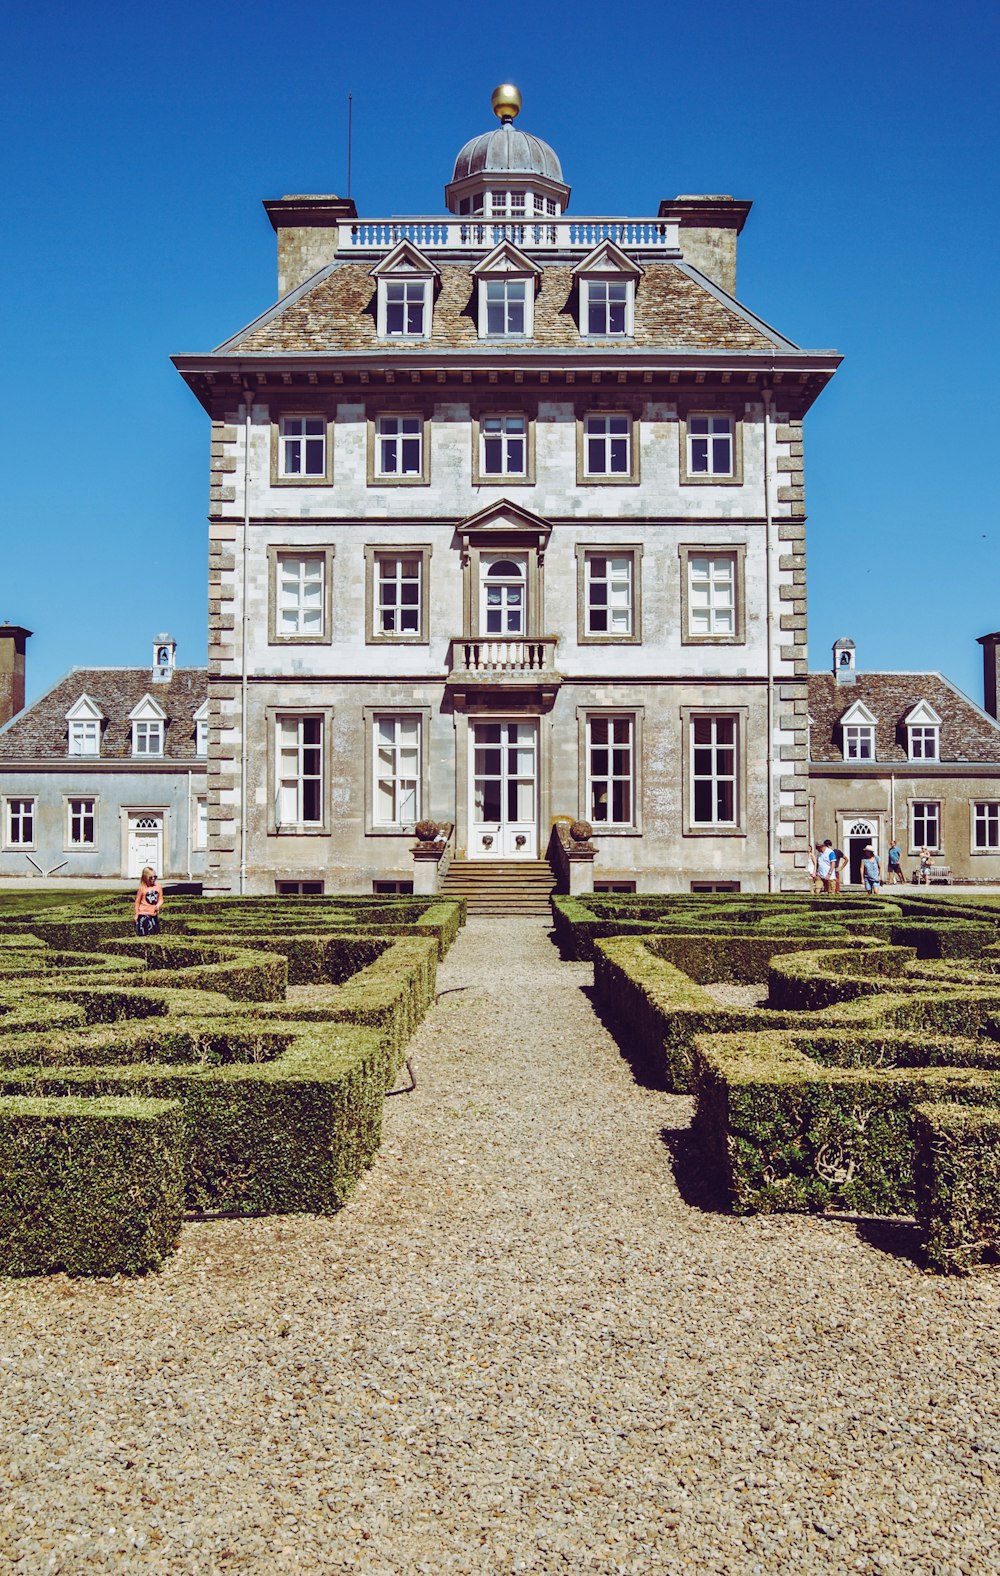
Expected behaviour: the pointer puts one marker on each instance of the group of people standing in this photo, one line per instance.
(826, 864)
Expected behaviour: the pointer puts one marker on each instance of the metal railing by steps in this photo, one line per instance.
(501, 887)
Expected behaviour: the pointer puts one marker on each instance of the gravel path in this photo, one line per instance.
(518, 1349)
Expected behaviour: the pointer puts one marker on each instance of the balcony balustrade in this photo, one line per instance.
(514, 664)
(476, 234)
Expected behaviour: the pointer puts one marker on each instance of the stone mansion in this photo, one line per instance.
(507, 524)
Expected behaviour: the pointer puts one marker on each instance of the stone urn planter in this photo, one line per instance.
(581, 831)
(426, 831)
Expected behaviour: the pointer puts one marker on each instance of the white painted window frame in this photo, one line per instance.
(199, 829)
(597, 428)
(918, 737)
(297, 779)
(925, 813)
(986, 826)
(76, 821)
(856, 735)
(309, 440)
(390, 433)
(298, 573)
(400, 783)
(595, 292)
(606, 780)
(505, 438)
(16, 818)
(610, 580)
(389, 559)
(712, 584)
(715, 777)
(85, 736)
(719, 424)
(526, 284)
(146, 730)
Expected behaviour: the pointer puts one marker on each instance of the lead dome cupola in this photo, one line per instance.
(506, 172)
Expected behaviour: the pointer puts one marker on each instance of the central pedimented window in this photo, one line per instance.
(83, 723)
(607, 279)
(857, 727)
(506, 293)
(148, 721)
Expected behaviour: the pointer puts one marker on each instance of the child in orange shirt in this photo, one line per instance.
(148, 902)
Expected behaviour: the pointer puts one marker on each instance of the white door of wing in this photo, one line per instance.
(145, 844)
(504, 777)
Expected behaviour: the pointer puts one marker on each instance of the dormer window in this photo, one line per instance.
(405, 283)
(148, 720)
(858, 731)
(405, 308)
(607, 278)
(83, 722)
(923, 733)
(506, 293)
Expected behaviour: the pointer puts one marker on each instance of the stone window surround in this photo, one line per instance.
(272, 715)
(69, 799)
(706, 479)
(504, 407)
(736, 550)
(689, 827)
(585, 550)
(276, 550)
(373, 551)
(974, 850)
(319, 410)
(914, 847)
(423, 715)
(19, 798)
(500, 543)
(583, 715)
(399, 407)
(630, 478)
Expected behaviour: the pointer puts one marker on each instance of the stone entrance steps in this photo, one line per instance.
(501, 887)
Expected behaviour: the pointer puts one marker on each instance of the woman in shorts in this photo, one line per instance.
(871, 871)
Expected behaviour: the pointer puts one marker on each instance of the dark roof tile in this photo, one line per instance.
(967, 734)
(40, 732)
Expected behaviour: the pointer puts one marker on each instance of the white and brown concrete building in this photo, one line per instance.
(906, 755)
(105, 772)
(507, 523)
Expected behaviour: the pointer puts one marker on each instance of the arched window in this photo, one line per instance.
(502, 611)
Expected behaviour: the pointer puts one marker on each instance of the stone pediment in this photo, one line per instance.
(405, 259)
(607, 258)
(504, 523)
(506, 259)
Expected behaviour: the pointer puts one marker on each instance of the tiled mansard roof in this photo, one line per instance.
(967, 733)
(40, 732)
(676, 308)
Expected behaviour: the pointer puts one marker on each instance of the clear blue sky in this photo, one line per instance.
(141, 140)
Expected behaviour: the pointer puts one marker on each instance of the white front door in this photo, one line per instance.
(503, 816)
(145, 844)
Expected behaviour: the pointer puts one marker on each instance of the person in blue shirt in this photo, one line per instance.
(871, 871)
(894, 870)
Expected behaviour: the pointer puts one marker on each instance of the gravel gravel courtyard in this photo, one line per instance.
(528, 1344)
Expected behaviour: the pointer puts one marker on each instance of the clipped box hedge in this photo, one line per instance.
(958, 1184)
(787, 1128)
(89, 1186)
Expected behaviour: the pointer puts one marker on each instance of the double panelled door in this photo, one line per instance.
(504, 811)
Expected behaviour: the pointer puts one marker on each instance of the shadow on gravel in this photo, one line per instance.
(642, 1069)
(695, 1183)
(897, 1239)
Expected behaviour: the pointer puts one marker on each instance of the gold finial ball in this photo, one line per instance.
(506, 101)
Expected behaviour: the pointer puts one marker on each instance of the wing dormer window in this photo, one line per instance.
(83, 724)
(148, 722)
(923, 733)
(405, 285)
(506, 284)
(607, 279)
(858, 733)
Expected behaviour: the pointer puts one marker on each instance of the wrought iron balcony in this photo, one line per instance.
(522, 664)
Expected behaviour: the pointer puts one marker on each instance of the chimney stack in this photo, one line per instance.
(308, 230)
(12, 642)
(708, 230)
(991, 672)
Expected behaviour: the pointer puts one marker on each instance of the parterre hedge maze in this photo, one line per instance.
(868, 1081)
(236, 1063)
